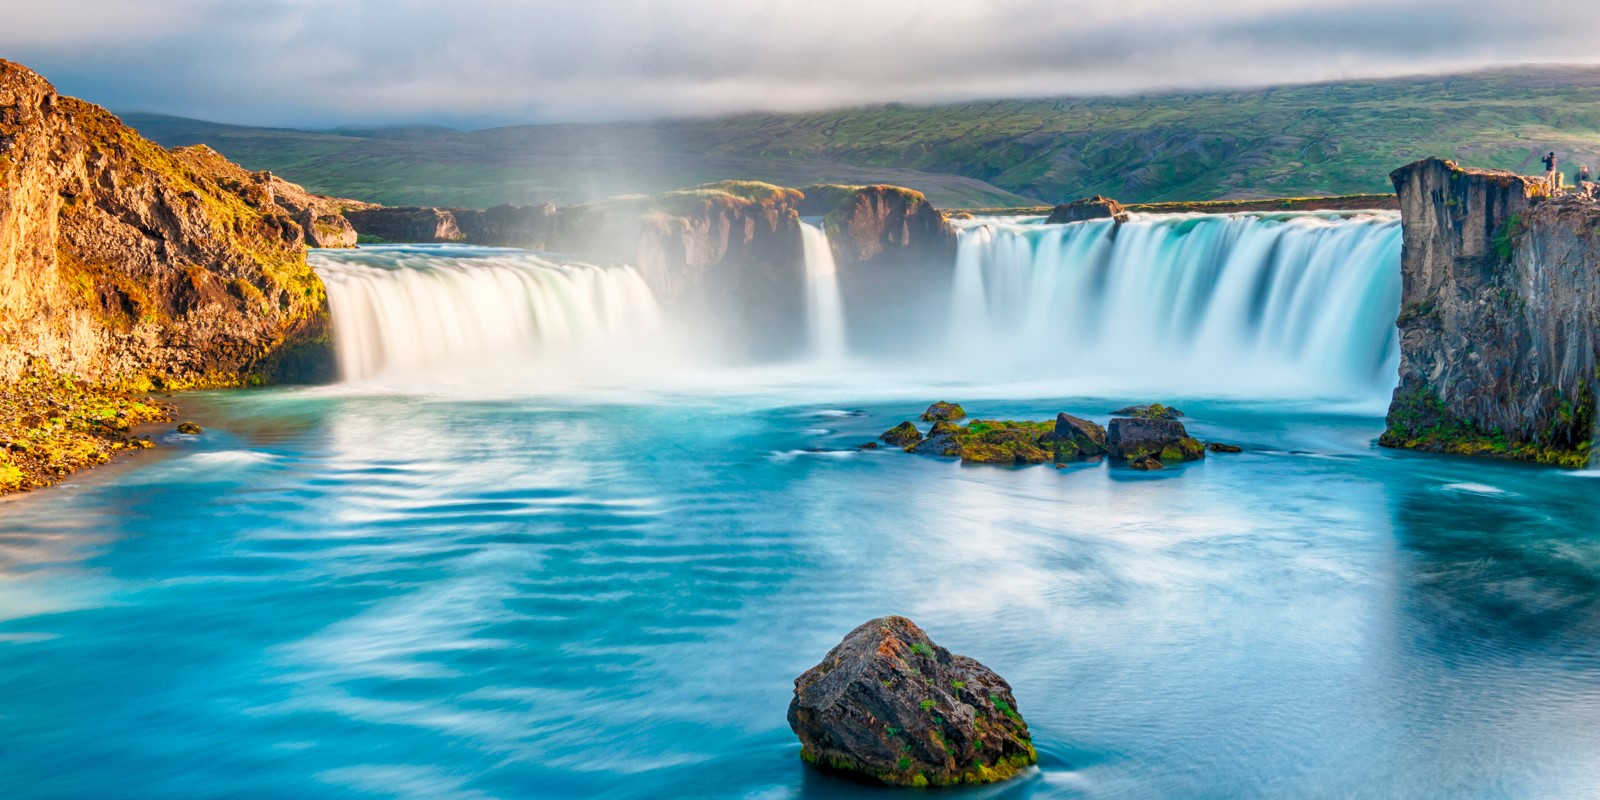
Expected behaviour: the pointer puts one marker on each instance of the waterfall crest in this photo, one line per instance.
(398, 310)
(1298, 302)
(824, 306)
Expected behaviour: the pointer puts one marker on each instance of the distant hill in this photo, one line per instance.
(1332, 138)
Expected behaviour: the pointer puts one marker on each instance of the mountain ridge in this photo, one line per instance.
(1313, 139)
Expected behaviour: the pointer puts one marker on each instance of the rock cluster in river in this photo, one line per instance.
(888, 704)
(1144, 437)
(1500, 316)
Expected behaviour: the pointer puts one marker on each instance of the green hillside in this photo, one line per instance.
(1335, 138)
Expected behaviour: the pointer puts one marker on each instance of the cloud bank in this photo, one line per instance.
(483, 62)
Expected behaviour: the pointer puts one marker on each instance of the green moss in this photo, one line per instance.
(1420, 420)
(1505, 238)
(53, 424)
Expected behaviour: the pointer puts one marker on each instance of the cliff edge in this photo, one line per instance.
(1500, 316)
(134, 267)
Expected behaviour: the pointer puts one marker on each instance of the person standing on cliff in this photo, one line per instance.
(1550, 171)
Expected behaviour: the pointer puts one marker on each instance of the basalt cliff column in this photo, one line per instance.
(1500, 316)
(131, 266)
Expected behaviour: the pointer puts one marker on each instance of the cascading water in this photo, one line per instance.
(1302, 304)
(399, 310)
(824, 307)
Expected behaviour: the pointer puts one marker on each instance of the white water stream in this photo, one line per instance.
(824, 305)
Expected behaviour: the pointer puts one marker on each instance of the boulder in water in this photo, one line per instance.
(903, 435)
(1129, 438)
(943, 411)
(1097, 207)
(1075, 437)
(1148, 411)
(189, 428)
(889, 705)
(1219, 447)
(941, 440)
(1146, 464)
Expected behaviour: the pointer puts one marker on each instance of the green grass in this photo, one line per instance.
(1318, 140)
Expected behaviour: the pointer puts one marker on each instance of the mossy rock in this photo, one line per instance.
(943, 411)
(903, 435)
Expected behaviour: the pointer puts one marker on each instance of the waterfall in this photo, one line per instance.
(1279, 305)
(824, 307)
(1298, 303)
(400, 310)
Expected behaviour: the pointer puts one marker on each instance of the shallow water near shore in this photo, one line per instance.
(335, 593)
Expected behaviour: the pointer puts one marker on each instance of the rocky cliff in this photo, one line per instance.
(882, 225)
(727, 246)
(133, 266)
(1500, 316)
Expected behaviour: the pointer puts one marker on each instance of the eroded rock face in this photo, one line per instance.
(320, 218)
(1097, 207)
(133, 266)
(528, 227)
(1130, 438)
(887, 225)
(408, 224)
(888, 704)
(1500, 316)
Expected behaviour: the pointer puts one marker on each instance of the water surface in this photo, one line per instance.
(335, 593)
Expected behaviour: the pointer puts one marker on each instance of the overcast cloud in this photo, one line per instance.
(483, 62)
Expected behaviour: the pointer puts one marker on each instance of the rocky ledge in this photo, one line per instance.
(1097, 207)
(1500, 316)
(52, 426)
(889, 705)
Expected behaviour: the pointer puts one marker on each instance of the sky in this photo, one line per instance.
(478, 63)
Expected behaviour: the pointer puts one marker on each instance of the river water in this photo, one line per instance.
(425, 589)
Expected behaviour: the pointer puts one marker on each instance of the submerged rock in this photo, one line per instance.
(1132, 437)
(903, 435)
(1097, 207)
(890, 705)
(1149, 411)
(1076, 437)
(943, 411)
(1146, 464)
(188, 427)
(1219, 447)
